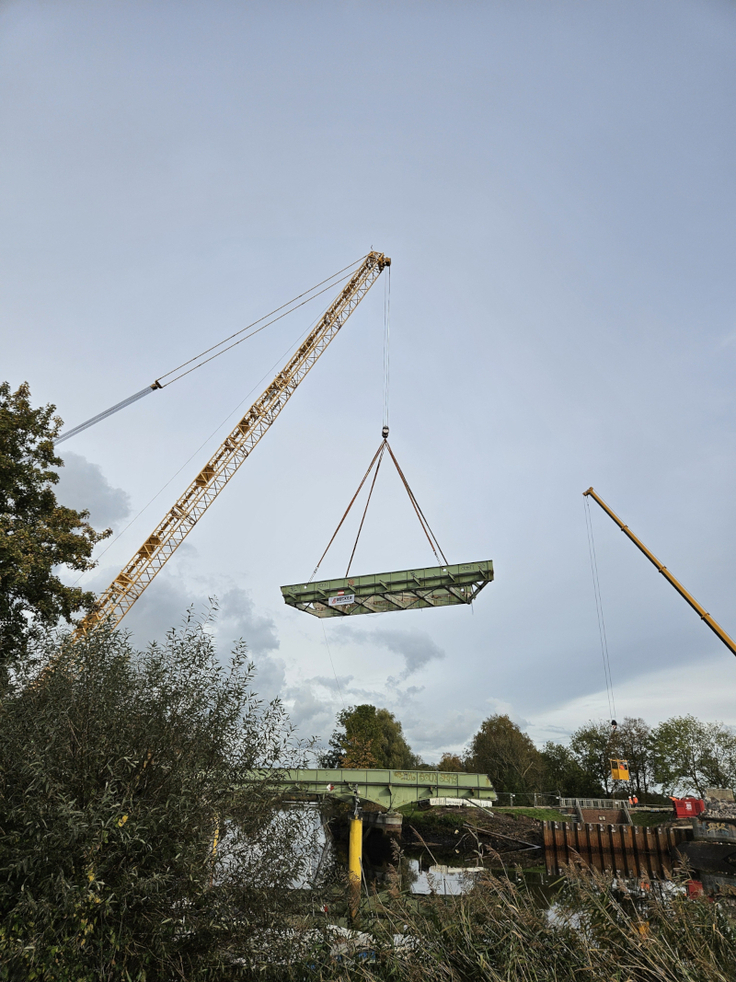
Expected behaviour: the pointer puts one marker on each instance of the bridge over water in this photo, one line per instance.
(388, 788)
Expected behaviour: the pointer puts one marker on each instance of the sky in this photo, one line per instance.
(555, 186)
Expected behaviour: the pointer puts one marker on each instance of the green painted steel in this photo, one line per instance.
(388, 788)
(437, 586)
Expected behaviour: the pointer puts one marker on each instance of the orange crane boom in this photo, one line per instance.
(181, 518)
(704, 615)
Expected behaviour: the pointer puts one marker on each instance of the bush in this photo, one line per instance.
(129, 846)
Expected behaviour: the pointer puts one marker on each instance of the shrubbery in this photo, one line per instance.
(129, 847)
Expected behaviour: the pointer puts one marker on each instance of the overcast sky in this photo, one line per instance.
(555, 184)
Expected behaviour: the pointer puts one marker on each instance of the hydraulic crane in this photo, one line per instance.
(704, 615)
(181, 518)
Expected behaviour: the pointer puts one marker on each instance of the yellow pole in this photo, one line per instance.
(355, 863)
(704, 615)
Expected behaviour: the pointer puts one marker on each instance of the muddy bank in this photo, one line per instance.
(454, 835)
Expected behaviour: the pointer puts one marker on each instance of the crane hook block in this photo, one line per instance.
(384, 433)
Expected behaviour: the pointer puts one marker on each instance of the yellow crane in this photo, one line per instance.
(704, 615)
(181, 518)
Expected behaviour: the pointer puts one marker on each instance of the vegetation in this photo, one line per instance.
(681, 756)
(36, 533)
(131, 844)
(139, 843)
(501, 932)
(368, 737)
(506, 754)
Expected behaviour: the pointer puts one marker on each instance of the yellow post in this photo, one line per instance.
(355, 863)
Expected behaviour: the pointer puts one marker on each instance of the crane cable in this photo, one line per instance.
(599, 614)
(270, 319)
(376, 461)
(268, 374)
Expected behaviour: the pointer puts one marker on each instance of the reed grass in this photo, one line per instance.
(499, 932)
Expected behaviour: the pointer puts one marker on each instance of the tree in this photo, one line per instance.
(564, 775)
(36, 533)
(450, 762)
(507, 755)
(368, 737)
(592, 748)
(134, 843)
(690, 756)
(632, 742)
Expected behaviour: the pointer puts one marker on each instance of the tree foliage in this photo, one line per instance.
(565, 776)
(36, 533)
(130, 846)
(368, 737)
(507, 755)
(689, 755)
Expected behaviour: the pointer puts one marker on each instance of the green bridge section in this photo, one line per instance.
(387, 788)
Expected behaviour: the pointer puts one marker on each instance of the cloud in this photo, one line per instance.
(84, 487)
(164, 606)
(336, 683)
(416, 648)
(309, 710)
(238, 619)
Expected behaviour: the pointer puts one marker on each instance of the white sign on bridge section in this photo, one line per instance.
(340, 599)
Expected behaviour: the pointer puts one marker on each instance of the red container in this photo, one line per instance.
(688, 807)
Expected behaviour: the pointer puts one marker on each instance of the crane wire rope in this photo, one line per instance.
(599, 614)
(386, 345)
(282, 311)
(378, 457)
(219, 426)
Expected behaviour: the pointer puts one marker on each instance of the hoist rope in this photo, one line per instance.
(599, 613)
(386, 344)
(282, 311)
(377, 457)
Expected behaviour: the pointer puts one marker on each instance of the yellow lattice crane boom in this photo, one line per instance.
(181, 518)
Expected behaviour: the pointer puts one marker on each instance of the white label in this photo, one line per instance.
(345, 598)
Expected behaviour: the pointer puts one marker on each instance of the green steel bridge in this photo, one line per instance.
(388, 788)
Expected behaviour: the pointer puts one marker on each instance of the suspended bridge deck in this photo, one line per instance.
(436, 586)
(388, 788)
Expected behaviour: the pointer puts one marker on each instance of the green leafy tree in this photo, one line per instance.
(564, 776)
(134, 842)
(36, 533)
(633, 743)
(690, 756)
(507, 755)
(368, 737)
(592, 748)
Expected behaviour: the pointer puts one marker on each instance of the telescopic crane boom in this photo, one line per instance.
(704, 615)
(181, 518)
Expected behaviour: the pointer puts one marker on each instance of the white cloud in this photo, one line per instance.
(416, 648)
(654, 697)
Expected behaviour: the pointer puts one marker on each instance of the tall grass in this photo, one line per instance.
(499, 932)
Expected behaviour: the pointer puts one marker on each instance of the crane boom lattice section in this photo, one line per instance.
(181, 518)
